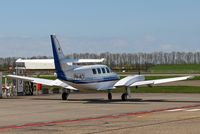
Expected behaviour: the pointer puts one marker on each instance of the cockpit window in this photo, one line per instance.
(94, 71)
(107, 69)
(99, 70)
(103, 70)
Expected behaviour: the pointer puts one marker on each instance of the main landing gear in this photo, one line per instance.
(65, 94)
(127, 94)
(124, 97)
(109, 96)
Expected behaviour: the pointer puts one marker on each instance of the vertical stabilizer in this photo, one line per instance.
(58, 58)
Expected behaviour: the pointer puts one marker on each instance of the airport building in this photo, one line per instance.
(29, 67)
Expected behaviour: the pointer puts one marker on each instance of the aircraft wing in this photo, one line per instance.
(139, 80)
(161, 81)
(43, 81)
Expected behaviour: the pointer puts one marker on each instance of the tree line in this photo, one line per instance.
(124, 59)
(155, 58)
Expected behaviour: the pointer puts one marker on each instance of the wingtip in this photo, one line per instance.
(191, 77)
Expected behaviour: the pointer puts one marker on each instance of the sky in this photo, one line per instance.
(95, 26)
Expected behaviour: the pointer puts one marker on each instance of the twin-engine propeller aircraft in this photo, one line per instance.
(91, 77)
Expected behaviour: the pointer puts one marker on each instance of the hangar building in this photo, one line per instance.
(24, 66)
(27, 67)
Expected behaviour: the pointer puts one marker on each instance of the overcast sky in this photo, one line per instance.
(98, 26)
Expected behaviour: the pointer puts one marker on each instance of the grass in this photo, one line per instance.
(49, 77)
(162, 89)
(179, 68)
(162, 77)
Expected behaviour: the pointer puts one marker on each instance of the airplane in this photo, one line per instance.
(91, 77)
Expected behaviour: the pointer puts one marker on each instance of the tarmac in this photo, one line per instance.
(92, 113)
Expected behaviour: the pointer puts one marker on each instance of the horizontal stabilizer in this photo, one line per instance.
(76, 61)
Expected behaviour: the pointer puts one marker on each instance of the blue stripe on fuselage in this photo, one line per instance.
(106, 79)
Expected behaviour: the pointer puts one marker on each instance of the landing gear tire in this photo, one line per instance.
(110, 96)
(124, 97)
(65, 96)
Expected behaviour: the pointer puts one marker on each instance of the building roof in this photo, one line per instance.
(37, 64)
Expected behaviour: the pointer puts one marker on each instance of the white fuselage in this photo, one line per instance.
(97, 77)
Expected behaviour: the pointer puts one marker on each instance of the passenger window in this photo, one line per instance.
(99, 70)
(103, 70)
(108, 71)
(94, 71)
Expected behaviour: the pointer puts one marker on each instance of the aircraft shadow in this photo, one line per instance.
(103, 101)
(119, 101)
(114, 101)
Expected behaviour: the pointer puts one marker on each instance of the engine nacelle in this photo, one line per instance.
(127, 81)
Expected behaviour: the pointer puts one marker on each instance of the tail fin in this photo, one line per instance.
(58, 58)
